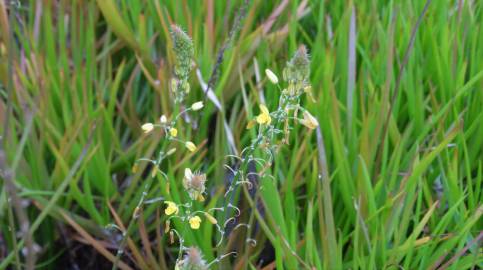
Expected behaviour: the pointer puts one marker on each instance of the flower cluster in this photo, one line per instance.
(170, 129)
(274, 127)
(273, 131)
(193, 182)
(296, 74)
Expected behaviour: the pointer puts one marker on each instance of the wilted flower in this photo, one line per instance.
(194, 184)
(271, 76)
(197, 106)
(309, 120)
(171, 208)
(147, 127)
(264, 117)
(192, 260)
(195, 222)
(191, 146)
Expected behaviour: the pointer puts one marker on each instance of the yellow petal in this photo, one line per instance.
(264, 109)
(172, 208)
(173, 132)
(261, 119)
(269, 119)
(195, 222)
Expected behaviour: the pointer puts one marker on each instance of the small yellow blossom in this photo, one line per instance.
(264, 117)
(309, 121)
(163, 119)
(147, 127)
(191, 146)
(197, 106)
(173, 132)
(271, 76)
(171, 209)
(195, 222)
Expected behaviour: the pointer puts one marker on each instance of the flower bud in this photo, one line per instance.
(163, 120)
(271, 76)
(309, 121)
(191, 146)
(170, 151)
(148, 127)
(210, 218)
(197, 106)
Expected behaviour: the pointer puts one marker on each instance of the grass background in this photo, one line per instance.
(392, 180)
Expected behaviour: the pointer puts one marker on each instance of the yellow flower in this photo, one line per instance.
(271, 76)
(195, 222)
(197, 106)
(264, 117)
(173, 132)
(147, 127)
(191, 146)
(171, 209)
(309, 121)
